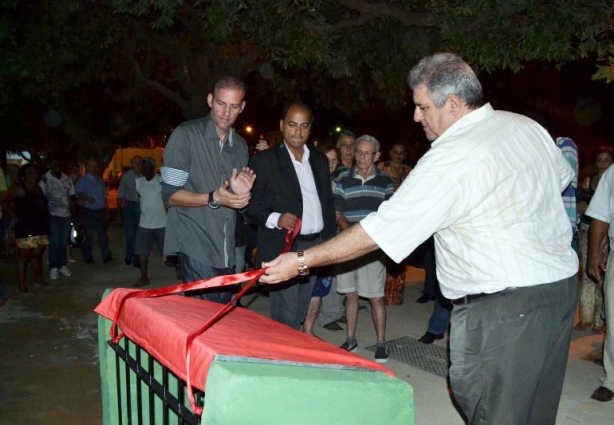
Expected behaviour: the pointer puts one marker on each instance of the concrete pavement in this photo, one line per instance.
(48, 348)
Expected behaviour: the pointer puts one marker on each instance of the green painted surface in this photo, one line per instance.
(107, 370)
(257, 393)
(131, 410)
(263, 393)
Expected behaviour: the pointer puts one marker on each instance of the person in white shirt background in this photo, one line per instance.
(60, 192)
(152, 223)
(601, 231)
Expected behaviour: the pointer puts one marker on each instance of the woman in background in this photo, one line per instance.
(395, 273)
(395, 166)
(27, 205)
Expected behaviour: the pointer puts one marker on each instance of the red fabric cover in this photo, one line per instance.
(161, 326)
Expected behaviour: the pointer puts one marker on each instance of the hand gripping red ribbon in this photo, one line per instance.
(214, 282)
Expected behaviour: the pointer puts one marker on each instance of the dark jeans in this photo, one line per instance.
(131, 216)
(95, 223)
(59, 232)
(192, 270)
(509, 353)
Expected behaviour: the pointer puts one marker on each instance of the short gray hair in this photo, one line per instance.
(367, 138)
(444, 74)
(345, 133)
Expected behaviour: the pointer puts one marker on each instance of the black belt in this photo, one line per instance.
(468, 299)
(308, 238)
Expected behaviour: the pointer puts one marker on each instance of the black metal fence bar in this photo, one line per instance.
(165, 386)
(157, 392)
(151, 392)
(118, 362)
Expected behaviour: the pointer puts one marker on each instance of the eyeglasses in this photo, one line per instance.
(367, 154)
(347, 145)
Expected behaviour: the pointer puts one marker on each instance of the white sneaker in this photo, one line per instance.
(64, 271)
(53, 274)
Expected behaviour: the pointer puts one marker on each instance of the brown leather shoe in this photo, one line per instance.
(602, 394)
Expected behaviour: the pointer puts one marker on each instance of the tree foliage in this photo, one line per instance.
(115, 70)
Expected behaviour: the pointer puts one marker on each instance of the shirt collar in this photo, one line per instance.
(355, 174)
(229, 141)
(305, 153)
(471, 118)
(211, 131)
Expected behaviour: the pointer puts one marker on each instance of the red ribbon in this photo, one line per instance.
(213, 282)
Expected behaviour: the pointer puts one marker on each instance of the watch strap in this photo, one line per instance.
(303, 268)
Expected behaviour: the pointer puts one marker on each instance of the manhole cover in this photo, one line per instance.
(429, 357)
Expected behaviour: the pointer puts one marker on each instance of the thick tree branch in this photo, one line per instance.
(165, 91)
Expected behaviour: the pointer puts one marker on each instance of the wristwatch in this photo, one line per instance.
(303, 268)
(212, 204)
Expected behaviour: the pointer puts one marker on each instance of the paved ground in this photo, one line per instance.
(48, 349)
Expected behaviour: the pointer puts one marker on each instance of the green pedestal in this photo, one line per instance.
(239, 392)
(258, 393)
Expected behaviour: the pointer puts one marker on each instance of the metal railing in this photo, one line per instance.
(147, 391)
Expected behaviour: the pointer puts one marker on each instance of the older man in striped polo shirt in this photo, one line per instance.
(360, 191)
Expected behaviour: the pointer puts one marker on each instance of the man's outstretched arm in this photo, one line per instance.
(347, 245)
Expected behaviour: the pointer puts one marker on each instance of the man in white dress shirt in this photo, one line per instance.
(489, 189)
(601, 210)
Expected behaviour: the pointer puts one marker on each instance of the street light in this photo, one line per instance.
(249, 129)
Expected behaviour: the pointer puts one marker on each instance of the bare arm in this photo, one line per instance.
(185, 198)
(352, 243)
(6, 199)
(244, 180)
(596, 263)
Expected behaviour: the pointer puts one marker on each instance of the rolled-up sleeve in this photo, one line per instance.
(421, 206)
(176, 163)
